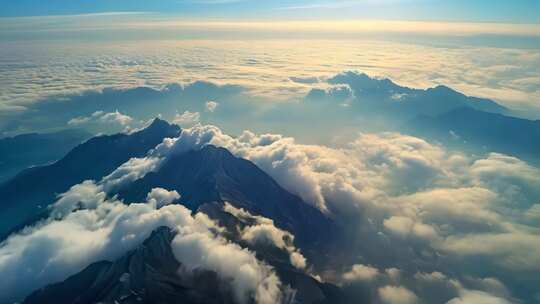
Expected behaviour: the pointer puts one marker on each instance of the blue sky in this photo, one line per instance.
(520, 11)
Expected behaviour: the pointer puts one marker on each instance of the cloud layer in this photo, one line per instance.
(407, 197)
(430, 216)
(263, 231)
(102, 228)
(262, 67)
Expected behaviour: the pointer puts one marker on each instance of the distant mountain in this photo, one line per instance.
(384, 96)
(476, 130)
(213, 174)
(33, 149)
(25, 196)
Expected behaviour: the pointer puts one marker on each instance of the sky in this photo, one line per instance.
(68, 47)
(521, 11)
(457, 225)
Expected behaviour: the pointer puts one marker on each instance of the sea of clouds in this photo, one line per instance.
(422, 223)
(275, 69)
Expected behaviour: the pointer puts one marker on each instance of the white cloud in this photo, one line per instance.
(211, 106)
(430, 277)
(396, 295)
(132, 170)
(404, 226)
(477, 297)
(393, 273)
(533, 213)
(517, 250)
(361, 272)
(117, 117)
(230, 261)
(507, 175)
(402, 186)
(161, 197)
(509, 74)
(404, 194)
(186, 119)
(103, 228)
(264, 232)
(102, 117)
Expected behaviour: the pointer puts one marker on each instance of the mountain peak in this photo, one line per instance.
(159, 123)
(160, 126)
(214, 174)
(442, 89)
(92, 159)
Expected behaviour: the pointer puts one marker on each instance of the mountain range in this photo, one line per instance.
(26, 196)
(149, 274)
(35, 149)
(207, 178)
(213, 174)
(210, 178)
(480, 132)
(383, 95)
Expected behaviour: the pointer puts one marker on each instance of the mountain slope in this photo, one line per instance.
(28, 193)
(214, 174)
(33, 149)
(148, 274)
(482, 132)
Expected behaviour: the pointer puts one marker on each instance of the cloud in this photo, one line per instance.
(230, 261)
(133, 169)
(263, 231)
(498, 171)
(415, 203)
(396, 295)
(508, 75)
(102, 228)
(477, 297)
(404, 226)
(361, 272)
(102, 117)
(186, 118)
(514, 250)
(406, 197)
(161, 197)
(304, 80)
(533, 213)
(430, 277)
(211, 106)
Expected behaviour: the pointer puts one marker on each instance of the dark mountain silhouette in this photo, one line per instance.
(384, 96)
(25, 196)
(33, 149)
(213, 174)
(480, 131)
(148, 274)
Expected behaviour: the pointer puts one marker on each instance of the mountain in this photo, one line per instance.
(206, 178)
(384, 96)
(481, 131)
(33, 149)
(25, 196)
(148, 274)
(213, 174)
